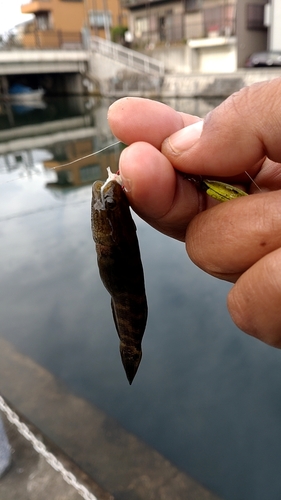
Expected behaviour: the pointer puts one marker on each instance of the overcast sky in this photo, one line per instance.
(10, 14)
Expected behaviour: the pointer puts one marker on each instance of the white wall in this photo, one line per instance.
(275, 28)
(220, 59)
(176, 58)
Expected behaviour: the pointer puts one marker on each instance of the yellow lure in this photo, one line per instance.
(220, 190)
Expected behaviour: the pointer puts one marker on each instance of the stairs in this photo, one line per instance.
(132, 59)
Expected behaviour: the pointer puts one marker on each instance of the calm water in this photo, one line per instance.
(206, 395)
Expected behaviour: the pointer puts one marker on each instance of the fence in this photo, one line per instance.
(52, 39)
(131, 58)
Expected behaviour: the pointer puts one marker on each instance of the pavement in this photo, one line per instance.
(111, 462)
(5, 450)
(30, 477)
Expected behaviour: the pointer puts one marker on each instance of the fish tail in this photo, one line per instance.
(130, 328)
(131, 358)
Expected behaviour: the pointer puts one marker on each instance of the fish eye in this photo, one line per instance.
(110, 203)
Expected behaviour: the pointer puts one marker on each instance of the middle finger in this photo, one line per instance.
(229, 238)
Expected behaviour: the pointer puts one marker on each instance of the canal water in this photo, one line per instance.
(206, 395)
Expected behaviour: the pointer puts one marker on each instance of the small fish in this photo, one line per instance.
(120, 267)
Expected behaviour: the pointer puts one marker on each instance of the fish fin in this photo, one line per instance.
(114, 317)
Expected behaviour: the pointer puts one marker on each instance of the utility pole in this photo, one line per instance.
(86, 30)
(106, 21)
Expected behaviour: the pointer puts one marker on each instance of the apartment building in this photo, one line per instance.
(219, 35)
(60, 23)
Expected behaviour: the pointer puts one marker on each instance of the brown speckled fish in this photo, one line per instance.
(120, 267)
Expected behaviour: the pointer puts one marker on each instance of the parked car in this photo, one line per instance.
(264, 59)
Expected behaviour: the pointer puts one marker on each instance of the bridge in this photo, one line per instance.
(20, 62)
(71, 71)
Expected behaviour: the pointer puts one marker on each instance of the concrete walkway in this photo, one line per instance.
(30, 477)
(115, 464)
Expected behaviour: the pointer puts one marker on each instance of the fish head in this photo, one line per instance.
(111, 218)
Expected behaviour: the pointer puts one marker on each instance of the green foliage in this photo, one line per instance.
(117, 33)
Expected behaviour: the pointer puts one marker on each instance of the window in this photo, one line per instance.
(141, 26)
(255, 16)
(100, 18)
(192, 5)
(220, 20)
(43, 21)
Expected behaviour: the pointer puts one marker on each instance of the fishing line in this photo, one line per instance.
(24, 214)
(36, 211)
(251, 179)
(87, 156)
(65, 164)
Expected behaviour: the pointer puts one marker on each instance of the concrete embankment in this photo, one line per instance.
(214, 85)
(111, 462)
(185, 85)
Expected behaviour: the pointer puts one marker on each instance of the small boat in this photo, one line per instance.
(23, 94)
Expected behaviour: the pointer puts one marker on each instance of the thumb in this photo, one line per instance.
(234, 137)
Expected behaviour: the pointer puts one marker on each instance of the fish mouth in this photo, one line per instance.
(102, 191)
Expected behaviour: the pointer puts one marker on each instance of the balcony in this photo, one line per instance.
(37, 6)
(52, 39)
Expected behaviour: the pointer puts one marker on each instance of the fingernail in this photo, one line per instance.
(186, 137)
(127, 184)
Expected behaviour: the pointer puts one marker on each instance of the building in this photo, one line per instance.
(199, 35)
(273, 22)
(60, 23)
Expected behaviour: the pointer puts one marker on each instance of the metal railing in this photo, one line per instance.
(131, 58)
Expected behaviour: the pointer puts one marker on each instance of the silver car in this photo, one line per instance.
(265, 59)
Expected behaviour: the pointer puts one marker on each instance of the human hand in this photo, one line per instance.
(238, 240)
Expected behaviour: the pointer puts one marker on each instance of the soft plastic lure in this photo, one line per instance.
(120, 267)
(219, 190)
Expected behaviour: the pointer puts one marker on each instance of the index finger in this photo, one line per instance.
(237, 135)
(134, 119)
(155, 190)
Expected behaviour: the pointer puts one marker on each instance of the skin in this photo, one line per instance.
(238, 241)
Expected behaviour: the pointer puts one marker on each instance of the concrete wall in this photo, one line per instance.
(183, 58)
(116, 80)
(214, 85)
(249, 41)
(102, 68)
(114, 77)
(176, 58)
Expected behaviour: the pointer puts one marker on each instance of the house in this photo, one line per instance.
(60, 23)
(199, 35)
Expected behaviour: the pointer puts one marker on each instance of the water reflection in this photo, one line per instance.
(206, 395)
